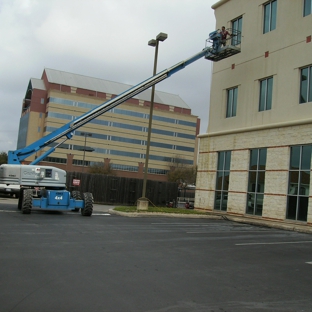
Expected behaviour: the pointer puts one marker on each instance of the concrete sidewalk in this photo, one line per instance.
(102, 208)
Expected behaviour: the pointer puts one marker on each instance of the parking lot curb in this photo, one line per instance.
(163, 214)
(270, 224)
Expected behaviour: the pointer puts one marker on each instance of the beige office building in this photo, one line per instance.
(117, 138)
(255, 159)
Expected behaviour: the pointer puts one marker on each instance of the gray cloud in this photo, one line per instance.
(104, 39)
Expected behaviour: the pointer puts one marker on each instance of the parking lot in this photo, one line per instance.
(66, 262)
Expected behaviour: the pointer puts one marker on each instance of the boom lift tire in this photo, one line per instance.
(27, 201)
(76, 195)
(20, 199)
(88, 205)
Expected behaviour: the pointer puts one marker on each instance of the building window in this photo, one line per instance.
(269, 22)
(121, 112)
(79, 162)
(42, 100)
(299, 182)
(231, 104)
(266, 91)
(56, 160)
(157, 171)
(307, 8)
(223, 179)
(256, 181)
(237, 31)
(306, 85)
(124, 167)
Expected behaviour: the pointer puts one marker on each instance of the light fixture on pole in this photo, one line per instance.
(153, 43)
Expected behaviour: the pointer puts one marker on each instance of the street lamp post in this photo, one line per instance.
(85, 134)
(153, 43)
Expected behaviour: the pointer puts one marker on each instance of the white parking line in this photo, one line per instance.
(101, 214)
(186, 224)
(274, 243)
(309, 262)
(234, 231)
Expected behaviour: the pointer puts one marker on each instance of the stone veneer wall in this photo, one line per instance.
(277, 141)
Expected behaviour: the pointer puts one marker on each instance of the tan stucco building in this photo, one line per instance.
(117, 138)
(255, 159)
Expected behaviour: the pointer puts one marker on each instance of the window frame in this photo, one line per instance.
(254, 203)
(237, 30)
(307, 86)
(264, 98)
(307, 7)
(222, 173)
(269, 22)
(231, 101)
(296, 201)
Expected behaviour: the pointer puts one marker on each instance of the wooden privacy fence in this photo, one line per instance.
(118, 190)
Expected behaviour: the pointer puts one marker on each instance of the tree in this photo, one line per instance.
(181, 173)
(3, 158)
(101, 168)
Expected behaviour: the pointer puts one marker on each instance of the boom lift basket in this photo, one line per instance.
(218, 52)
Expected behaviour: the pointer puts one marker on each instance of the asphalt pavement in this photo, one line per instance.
(107, 262)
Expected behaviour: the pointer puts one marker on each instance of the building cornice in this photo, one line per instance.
(263, 127)
(219, 3)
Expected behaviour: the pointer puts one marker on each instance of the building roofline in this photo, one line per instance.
(111, 87)
(219, 3)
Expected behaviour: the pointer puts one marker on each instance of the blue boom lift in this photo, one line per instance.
(51, 180)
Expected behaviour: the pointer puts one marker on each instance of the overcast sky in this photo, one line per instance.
(104, 39)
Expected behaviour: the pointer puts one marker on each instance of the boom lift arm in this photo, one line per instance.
(15, 157)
